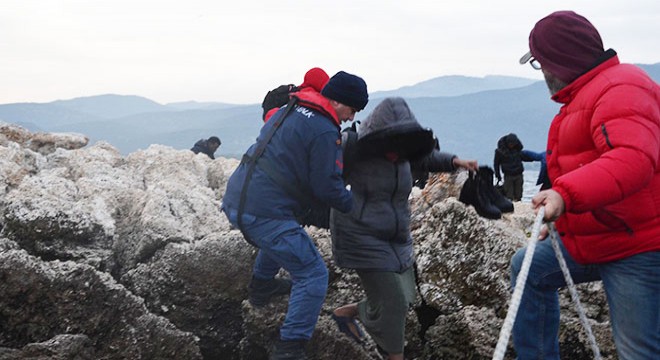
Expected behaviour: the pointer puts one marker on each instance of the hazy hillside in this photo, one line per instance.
(36, 117)
(92, 109)
(454, 86)
(111, 106)
(468, 124)
(237, 127)
(195, 105)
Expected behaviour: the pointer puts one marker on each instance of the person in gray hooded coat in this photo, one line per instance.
(374, 238)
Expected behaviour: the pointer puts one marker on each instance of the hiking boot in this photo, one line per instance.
(260, 291)
(473, 193)
(289, 350)
(485, 176)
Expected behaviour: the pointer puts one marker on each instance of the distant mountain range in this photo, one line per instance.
(454, 86)
(467, 114)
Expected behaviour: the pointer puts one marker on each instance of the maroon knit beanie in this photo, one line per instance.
(566, 44)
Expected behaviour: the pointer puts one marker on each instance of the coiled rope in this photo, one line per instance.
(505, 331)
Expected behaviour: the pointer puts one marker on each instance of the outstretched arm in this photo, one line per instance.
(471, 165)
(438, 161)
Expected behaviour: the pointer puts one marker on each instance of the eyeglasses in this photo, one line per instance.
(532, 61)
(535, 63)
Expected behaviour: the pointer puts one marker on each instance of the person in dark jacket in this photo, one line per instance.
(207, 146)
(508, 157)
(374, 238)
(305, 151)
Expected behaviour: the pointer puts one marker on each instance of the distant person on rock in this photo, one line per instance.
(374, 238)
(207, 146)
(508, 158)
(299, 145)
(603, 160)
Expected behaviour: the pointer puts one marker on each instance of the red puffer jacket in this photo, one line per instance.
(604, 160)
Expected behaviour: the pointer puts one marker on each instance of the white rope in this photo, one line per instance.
(505, 332)
(510, 319)
(573, 291)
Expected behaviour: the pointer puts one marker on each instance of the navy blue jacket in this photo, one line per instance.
(306, 150)
(543, 178)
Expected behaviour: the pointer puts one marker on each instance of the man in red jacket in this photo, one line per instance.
(603, 160)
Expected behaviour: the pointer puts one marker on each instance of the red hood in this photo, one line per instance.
(312, 99)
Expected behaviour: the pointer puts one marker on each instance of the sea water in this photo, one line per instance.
(529, 184)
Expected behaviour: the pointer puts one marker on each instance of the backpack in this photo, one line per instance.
(276, 98)
(349, 147)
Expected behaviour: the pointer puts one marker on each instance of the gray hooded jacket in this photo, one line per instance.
(375, 235)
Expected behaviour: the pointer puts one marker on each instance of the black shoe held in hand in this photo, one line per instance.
(473, 194)
(485, 177)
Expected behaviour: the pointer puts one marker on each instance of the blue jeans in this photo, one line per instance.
(285, 244)
(632, 287)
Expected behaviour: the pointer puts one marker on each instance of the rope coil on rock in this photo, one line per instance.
(505, 331)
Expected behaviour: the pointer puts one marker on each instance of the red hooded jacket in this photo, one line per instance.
(315, 79)
(604, 159)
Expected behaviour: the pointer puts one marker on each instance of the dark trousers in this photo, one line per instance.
(513, 186)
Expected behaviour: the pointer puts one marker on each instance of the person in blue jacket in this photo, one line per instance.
(305, 151)
(374, 238)
(542, 179)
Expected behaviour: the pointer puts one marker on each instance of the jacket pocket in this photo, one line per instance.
(611, 221)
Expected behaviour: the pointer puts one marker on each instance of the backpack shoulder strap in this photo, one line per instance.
(251, 163)
(349, 146)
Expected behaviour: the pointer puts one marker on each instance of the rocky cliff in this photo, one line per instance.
(111, 257)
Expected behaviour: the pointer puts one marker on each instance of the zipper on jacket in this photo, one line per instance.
(364, 203)
(610, 220)
(607, 139)
(394, 191)
(396, 216)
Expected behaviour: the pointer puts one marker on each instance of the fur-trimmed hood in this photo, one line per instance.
(392, 128)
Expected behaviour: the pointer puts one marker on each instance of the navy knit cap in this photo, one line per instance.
(347, 89)
(566, 45)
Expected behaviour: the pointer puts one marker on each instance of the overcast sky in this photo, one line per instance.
(234, 51)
